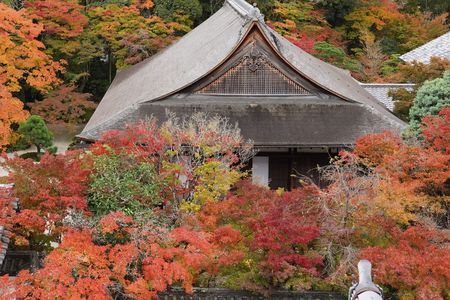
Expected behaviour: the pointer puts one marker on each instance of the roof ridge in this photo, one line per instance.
(245, 9)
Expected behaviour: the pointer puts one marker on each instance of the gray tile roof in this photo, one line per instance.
(381, 91)
(205, 48)
(6, 201)
(439, 47)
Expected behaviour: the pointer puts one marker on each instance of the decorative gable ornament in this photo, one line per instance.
(254, 74)
(254, 60)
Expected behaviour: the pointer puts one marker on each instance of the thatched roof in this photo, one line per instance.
(290, 121)
(205, 49)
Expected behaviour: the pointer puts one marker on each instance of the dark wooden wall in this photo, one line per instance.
(287, 168)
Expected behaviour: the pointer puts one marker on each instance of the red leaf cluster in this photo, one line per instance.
(59, 17)
(149, 262)
(64, 105)
(48, 192)
(420, 168)
(418, 264)
(436, 131)
(78, 269)
(277, 229)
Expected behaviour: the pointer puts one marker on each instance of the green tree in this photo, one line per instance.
(336, 10)
(417, 73)
(335, 55)
(431, 98)
(119, 182)
(34, 131)
(171, 9)
(434, 6)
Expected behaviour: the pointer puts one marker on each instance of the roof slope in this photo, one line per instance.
(439, 47)
(207, 47)
(175, 67)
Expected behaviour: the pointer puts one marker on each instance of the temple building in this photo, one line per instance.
(298, 110)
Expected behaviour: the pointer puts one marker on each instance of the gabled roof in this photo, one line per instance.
(439, 47)
(381, 91)
(203, 50)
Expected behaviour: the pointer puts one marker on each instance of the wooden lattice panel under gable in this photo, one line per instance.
(254, 74)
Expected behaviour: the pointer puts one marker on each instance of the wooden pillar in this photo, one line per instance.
(291, 180)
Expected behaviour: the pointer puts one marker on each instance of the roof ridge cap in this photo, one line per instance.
(245, 9)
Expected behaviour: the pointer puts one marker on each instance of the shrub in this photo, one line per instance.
(119, 182)
(198, 158)
(32, 155)
(431, 98)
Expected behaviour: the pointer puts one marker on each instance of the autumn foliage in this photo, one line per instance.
(60, 18)
(274, 232)
(436, 131)
(193, 220)
(64, 105)
(21, 59)
(48, 191)
(139, 265)
(417, 264)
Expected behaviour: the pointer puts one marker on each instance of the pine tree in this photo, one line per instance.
(35, 132)
(431, 98)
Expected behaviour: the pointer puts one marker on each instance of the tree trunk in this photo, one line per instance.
(110, 66)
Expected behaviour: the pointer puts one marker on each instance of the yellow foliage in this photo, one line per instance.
(216, 180)
(189, 207)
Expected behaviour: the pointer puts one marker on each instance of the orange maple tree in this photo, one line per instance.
(64, 105)
(21, 60)
(120, 258)
(59, 17)
(417, 264)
